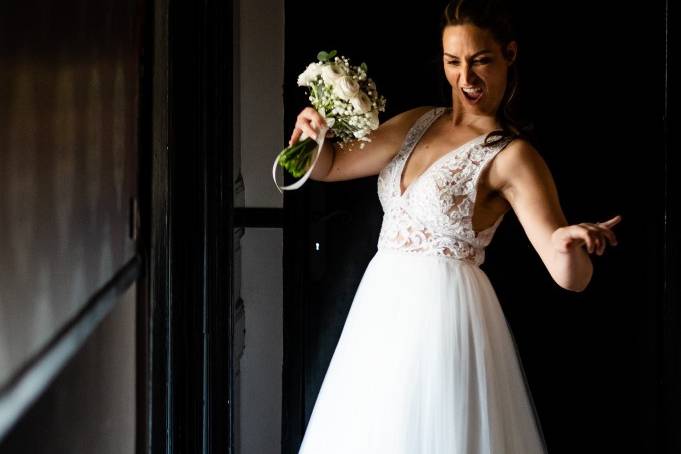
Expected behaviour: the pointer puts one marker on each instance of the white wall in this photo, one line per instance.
(263, 352)
(262, 137)
(262, 108)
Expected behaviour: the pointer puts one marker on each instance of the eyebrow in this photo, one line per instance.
(484, 51)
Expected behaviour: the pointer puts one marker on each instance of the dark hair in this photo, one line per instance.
(495, 16)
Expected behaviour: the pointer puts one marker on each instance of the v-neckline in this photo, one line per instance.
(401, 168)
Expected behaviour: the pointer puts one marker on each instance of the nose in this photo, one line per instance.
(467, 76)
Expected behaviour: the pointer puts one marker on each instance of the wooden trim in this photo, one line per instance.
(259, 217)
(670, 312)
(191, 217)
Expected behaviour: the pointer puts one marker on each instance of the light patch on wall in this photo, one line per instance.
(22, 180)
(65, 153)
(118, 134)
(105, 254)
(93, 157)
(44, 314)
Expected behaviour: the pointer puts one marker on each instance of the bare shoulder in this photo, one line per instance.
(396, 127)
(354, 161)
(519, 151)
(411, 114)
(519, 163)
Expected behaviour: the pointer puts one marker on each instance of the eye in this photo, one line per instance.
(480, 61)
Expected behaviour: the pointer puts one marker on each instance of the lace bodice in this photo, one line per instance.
(434, 214)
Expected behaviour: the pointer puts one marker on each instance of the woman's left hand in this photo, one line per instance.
(594, 236)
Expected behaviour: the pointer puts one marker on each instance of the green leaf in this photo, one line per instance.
(332, 54)
(363, 66)
(322, 56)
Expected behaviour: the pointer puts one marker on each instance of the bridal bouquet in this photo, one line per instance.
(348, 101)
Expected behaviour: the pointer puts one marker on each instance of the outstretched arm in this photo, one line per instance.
(526, 182)
(354, 161)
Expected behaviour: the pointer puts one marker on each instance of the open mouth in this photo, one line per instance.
(472, 94)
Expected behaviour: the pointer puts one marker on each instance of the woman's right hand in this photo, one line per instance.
(308, 121)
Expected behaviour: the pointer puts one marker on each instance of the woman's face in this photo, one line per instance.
(475, 68)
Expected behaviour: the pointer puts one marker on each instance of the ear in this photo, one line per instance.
(511, 51)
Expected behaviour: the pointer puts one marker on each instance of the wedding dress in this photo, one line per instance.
(426, 362)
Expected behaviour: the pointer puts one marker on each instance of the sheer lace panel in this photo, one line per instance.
(433, 216)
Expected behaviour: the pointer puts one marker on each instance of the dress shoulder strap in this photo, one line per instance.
(419, 128)
(486, 155)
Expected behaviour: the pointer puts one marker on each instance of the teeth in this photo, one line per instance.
(472, 90)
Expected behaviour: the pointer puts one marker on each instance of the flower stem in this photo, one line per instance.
(297, 158)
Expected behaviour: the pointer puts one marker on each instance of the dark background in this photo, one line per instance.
(593, 82)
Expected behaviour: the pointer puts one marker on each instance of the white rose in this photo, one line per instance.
(361, 102)
(310, 73)
(331, 73)
(346, 88)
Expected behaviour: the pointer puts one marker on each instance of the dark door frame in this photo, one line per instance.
(187, 216)
(670, 312)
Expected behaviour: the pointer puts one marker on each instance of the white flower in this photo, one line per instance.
(346, 88)
(361, 102)
(310, 73)
(361, 132)
(331, 73)
(373, 119)
(339, 91)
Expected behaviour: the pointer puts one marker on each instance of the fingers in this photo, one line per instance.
(607, 225)
(294, 136)
(602, 233)
(589, 241)
(587, 235)
(596, 238)
(608, 234)
(601, 243)
(612, 221)
(309, 121)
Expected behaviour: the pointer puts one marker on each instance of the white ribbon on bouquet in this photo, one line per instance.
(321, 135)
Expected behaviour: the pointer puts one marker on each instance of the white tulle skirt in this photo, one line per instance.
(425, 364)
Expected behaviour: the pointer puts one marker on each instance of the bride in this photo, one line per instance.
(426, 362)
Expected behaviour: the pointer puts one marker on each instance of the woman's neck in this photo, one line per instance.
(459, 118)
